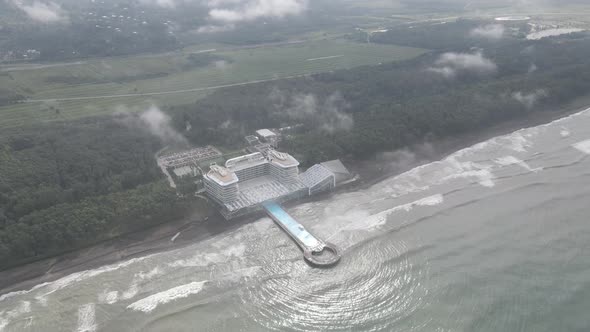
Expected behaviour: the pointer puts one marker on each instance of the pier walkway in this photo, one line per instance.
(315, 251)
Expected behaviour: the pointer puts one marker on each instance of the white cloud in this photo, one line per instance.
(532, 68)
(45, 12)
(329, 116)
(450, 64)
(221, 64)
(225, 14)
(216, 28)
(447, 72)
(249, 10)
(529, 99)
(491, 32)
(160, 3)
(152, 120)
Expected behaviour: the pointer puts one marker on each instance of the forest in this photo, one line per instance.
(72, 184)
(398, 104)
(68, 184)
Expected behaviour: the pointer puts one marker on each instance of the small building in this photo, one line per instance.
(252, 140)
(340, 172)
(185, 171)
(268, 136)
(325, 176)
(190, 157)
(318, 179)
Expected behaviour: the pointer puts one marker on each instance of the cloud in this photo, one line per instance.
(215, 28)
(532, 68)
(530, 99)
(447, 72)
(221, 64)
(303, 105)
(404, 159)
(152, 120)
(249, 10)
(227, 13)
(450, 64)
(329, 116)
(491, 32)
(45, 12)
(225, 124)
(160, 3)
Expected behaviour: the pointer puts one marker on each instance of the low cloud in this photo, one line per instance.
(335, 117)
(225, 124)
(491, 32)
(530, 99)
(233, 11)
(215, 28)
(328, 115)
(44, 12)
(221, 64)
(152, 120)
(450, 64)
(160, 3)
(402, 160)
(532, 68)
(225, 14)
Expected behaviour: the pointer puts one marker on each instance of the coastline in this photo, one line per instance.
(199, 227)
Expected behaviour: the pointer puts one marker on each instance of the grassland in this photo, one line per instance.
(98, 86)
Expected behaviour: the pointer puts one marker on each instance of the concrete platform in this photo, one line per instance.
(315, 251)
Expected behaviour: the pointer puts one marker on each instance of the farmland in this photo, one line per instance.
(99, 86)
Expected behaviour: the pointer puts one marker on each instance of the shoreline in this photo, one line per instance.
(197, 227)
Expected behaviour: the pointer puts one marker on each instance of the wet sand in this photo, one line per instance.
(199, 227)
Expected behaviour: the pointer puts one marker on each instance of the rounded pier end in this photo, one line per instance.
(328, 256)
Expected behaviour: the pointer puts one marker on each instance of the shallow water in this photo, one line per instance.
(493, 238)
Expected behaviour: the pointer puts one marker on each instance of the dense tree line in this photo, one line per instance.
(84, 39)
(64, 185)
(454, 35)
(61, 227)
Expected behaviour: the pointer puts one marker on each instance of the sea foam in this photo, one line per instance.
(151, 302)
(583, 146)
(69, 280)
(87, 318)
(511, 160)
(379, 219)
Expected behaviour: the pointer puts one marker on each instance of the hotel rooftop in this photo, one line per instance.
(222, 175)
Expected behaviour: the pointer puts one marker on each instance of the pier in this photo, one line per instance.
(315, 251)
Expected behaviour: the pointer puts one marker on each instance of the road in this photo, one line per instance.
(159, 93)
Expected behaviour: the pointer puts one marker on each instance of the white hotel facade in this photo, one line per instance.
(246, 181)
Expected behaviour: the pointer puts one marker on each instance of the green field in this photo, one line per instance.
(99, 83)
